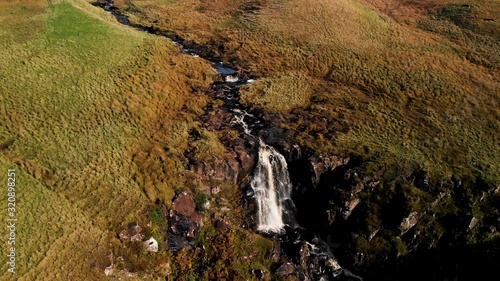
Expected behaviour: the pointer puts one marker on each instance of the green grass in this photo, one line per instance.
(48, 225)
(96, 121)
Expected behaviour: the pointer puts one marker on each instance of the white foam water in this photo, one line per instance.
(272, 188)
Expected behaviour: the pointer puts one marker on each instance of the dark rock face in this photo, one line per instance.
(246, 160)
(184, 222)
(403, 227)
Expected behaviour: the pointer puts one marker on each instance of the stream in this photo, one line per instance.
(270, 184)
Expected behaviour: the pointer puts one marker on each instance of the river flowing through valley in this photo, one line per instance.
(270, 183)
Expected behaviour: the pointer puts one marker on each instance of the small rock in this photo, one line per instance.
(138, 237)
(349, 207)
(409, 222)
(333, 264)
(151, 245)
(108, 271)
(214, 190)
(285, 269)
(231, 78)
(183, 204)
(128, 273)
(133, 232)
(473, 223)
(221, 225)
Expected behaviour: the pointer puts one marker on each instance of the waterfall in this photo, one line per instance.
(239, 118)
(272, 189)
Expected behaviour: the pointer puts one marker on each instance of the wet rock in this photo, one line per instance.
(247, 162)
(231, 78)
(184, 222)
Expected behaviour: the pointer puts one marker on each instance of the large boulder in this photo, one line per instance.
(184, 222)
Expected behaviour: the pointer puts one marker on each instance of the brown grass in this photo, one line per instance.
(95, 119)
(401, 79)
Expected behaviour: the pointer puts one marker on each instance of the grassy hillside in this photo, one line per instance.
(390, 80)
(91, 120)
(96, 117)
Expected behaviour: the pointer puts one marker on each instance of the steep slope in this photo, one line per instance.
(89, 109)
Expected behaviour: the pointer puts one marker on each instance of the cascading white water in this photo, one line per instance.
(272, 188)
(239, 118)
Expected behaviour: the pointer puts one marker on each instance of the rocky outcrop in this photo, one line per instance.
(184, 222)
(320, 165)
(133, 232)
(409, 222)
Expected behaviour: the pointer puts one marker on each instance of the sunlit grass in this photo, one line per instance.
(82, 98)
(407, 81)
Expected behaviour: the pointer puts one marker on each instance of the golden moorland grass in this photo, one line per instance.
(278, 94)
(423, 90)
(95, 119)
